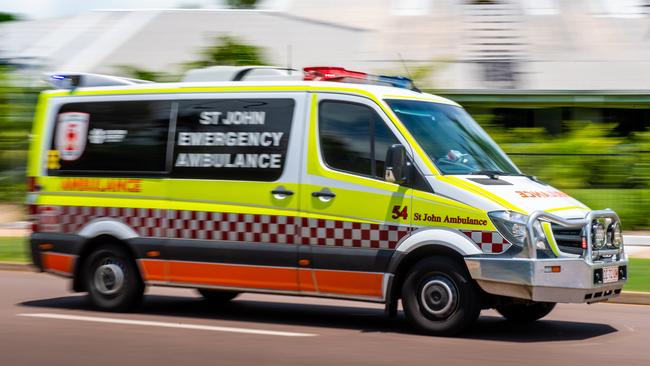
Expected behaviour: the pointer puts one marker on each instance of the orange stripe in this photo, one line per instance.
(234, 276)
(349, 283)
(153, 270)
(306, 280)
(58, 262)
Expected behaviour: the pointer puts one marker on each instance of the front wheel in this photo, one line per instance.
(112, 279)
(526, 313)
(440, 298)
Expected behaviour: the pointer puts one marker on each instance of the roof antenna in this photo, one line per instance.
(289, 56)
(414, 88)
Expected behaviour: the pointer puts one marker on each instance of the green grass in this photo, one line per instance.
(639, 275)
(14, 249)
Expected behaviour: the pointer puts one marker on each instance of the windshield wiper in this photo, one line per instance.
(492, 174)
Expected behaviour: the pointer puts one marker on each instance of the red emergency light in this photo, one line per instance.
(333, 73)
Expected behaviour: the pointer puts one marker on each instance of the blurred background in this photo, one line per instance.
(562, 85)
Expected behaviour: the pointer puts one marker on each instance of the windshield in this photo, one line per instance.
(451, 138)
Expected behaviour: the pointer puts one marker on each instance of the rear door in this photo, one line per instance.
(234, 191)
(353, 218)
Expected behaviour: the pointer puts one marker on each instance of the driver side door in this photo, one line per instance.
(352, 217)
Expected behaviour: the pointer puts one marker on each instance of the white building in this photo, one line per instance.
(474, 44)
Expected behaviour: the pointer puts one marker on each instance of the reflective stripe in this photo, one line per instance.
(546, 227)
(460, 183)
(490, 242)
(226, 226)
(567, 208)
(153, 269)
(363, 284)
(229, 275)
(58, 263)
(349, 283)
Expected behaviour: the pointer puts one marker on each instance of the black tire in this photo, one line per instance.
(217, 296)
(105, 290)
(440, 298)
(526, 313)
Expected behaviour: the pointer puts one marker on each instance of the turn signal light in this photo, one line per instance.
(552, 269)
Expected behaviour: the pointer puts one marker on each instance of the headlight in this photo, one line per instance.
(511, 225)
(615, 235)
(598, 235)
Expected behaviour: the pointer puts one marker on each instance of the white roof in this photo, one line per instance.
(378, 91)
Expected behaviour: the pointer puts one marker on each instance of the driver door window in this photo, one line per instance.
(354, 138)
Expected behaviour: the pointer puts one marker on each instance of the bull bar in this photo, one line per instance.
(526, 276)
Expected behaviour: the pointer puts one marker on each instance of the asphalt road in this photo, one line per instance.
(41, 323)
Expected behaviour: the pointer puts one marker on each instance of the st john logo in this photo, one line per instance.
(71, 135)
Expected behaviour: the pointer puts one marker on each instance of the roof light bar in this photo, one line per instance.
(331, 73)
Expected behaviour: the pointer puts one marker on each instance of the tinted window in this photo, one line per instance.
(123, 138)
(354, 138)
(234, 139)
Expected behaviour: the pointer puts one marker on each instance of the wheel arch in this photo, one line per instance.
(422, 244)
(89, 246)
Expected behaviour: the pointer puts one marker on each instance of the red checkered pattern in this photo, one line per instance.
(71, 219)
(182, 224)
(490, 242)
(351, 234)
(233, 227)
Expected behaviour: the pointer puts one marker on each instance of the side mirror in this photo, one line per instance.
(396, 164)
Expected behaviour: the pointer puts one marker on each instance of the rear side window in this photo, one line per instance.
(121, 138)
(354, 138)
(232, 139)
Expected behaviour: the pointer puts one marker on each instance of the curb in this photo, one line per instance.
(12, 266)
(632, 297)
(636, 240)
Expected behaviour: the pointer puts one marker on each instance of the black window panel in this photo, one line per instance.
(122, 138)
(277, 119)
(354, 138)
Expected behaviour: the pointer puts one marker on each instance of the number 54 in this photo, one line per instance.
(398, 212)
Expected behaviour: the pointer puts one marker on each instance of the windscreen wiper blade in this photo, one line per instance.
(493, 174)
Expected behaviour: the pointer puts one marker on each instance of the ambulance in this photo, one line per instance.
(326, 182)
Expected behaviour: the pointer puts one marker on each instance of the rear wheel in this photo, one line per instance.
(439, 297)
(526, 313)
(112, 279)
(217, 296)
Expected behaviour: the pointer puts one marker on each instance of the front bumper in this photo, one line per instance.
(530, 279)
(568, 278)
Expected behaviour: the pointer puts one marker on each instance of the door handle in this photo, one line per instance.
(325, 195)
(281, 193)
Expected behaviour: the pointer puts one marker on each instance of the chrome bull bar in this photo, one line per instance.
(525, 276)
(530, 250)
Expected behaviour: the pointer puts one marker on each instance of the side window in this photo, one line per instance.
(232, 139)
(353, 138)
(126, 138)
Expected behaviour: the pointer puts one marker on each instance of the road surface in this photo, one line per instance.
(41, 323)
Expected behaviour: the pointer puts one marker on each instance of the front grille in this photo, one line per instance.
(568, 239)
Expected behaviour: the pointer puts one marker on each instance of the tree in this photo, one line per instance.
(242, 4)
(230, 51)
(8, 17)
(136, 72)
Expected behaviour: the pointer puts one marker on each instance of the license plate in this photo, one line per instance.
(610, 274)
